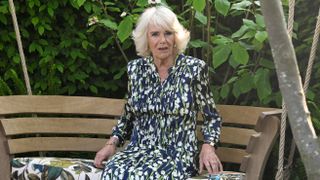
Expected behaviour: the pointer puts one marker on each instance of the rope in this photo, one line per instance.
(20, 47)
(312, 54)
(283, 126)
(306, 83)
(291, 17)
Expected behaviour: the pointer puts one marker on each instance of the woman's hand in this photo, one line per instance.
(107, 151)
(209, 159)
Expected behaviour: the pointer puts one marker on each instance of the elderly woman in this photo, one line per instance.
(166, 89)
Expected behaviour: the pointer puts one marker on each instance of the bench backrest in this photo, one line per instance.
(70, 123)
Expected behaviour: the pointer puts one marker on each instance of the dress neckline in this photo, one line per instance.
(171, 69)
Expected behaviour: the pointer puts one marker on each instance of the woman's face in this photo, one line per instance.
(161, 42)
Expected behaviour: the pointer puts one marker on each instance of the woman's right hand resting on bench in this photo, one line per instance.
(107, 151)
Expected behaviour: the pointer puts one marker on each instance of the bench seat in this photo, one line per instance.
(40, 124)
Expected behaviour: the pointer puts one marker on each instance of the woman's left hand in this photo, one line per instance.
(209, 160)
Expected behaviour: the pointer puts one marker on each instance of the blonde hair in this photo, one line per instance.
(163, 17)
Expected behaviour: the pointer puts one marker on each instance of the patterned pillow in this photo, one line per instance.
(54, 168)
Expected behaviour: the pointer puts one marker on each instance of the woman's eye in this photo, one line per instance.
(154, 34)
(168, 33)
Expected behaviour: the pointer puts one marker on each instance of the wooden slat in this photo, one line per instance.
(246, 115)
(239, 136)
(242, 115)
(232, 135)
(231, 155)
(55, 144)
(60, 104)
(16, 126)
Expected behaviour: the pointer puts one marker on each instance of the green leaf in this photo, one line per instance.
(246, 83)
(106, 43)
(236, 89)
(31, 4)
(243, 5)
(85, 44)
(93, 89)
(261, 36)
(262, 83)
(42, 7)
(260, 21)
(114, 9)
(142, 3)
(60, 67)
(65, 43)
(35, 21)
(249, 23)
(50, 12)
(225, 89)
(3, 19)
(199, 16)
(125, 28)
(4, 9)
(110, 24)
(248, 35)
(221, 40)
(199, 5)
(11, 51)
(41, 30)
(222, 6)
(4, 88)
(18, 84)
(87, 7)
(266, 63)
(232, 79)
(120, 73)
(37, 2)
(197, 43)
(32, 47)
(46, 26)
(310, 95)
(239, 53)
(80, 2)
(189, 2)
(107, 3)
(240, 32)
(16, 59)
(220, 55)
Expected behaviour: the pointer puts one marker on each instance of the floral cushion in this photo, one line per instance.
(54, 168)
(224, 175)
(78, 169)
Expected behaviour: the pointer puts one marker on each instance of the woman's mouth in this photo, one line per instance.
(163, 48)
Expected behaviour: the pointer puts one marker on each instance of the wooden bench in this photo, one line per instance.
(69, 123)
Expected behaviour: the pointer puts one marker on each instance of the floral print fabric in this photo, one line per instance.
(54, 169)
(161, 118)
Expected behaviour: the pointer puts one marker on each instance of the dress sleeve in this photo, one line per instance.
(205, 104)
(124, 126)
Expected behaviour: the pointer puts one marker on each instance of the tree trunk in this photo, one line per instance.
(291, 87)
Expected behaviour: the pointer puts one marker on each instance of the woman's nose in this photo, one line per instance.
(162, 38)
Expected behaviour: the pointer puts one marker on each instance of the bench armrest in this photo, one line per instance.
(260, 144)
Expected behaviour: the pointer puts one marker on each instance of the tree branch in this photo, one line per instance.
(291, 87)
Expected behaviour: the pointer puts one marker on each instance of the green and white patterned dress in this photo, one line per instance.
(161, 119)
